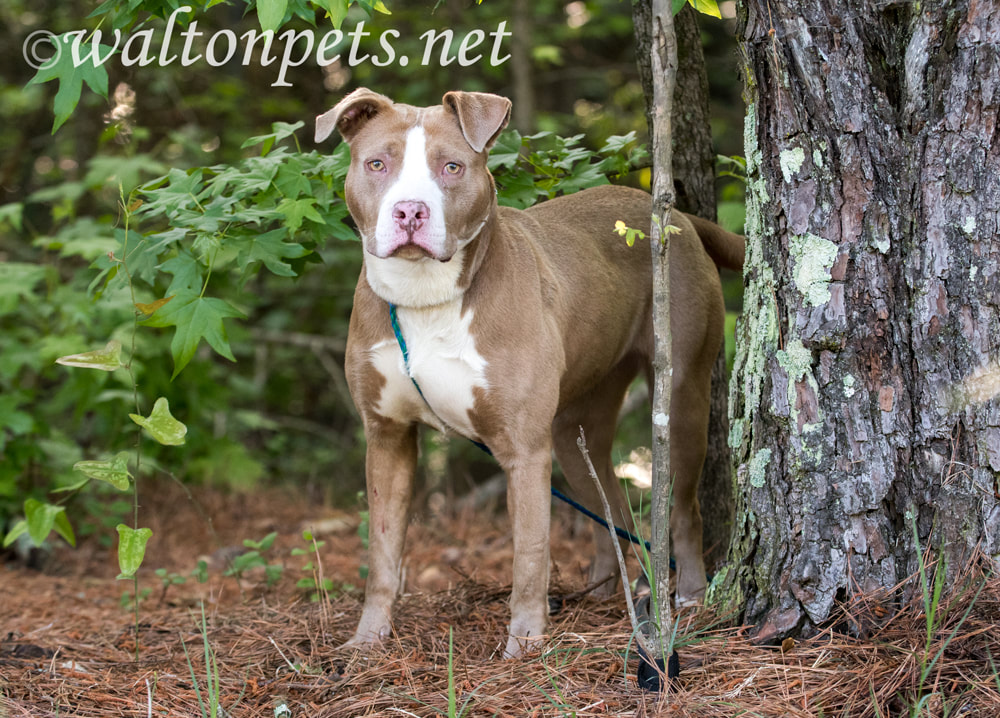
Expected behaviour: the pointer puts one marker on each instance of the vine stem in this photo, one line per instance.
(123, 260)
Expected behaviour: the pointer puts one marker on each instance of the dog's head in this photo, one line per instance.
(418, 187)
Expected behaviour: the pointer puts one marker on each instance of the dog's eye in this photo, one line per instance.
(376, 165)
(453, 168)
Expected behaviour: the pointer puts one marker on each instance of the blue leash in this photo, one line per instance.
(622, 533)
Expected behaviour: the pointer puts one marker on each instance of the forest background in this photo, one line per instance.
(277, 301)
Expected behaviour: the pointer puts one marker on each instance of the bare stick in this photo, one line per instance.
(639, 635)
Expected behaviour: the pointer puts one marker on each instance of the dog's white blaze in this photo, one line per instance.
(414, 183)
(443, 361)
(415, 283)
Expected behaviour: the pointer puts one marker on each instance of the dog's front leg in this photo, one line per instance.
(528, 484)
(389, 467)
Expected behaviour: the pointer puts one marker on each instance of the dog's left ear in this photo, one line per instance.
(480, 115)
(351, 114)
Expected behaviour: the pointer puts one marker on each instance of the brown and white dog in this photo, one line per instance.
(521, 327)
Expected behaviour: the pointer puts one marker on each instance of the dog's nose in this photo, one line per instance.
(410, 215)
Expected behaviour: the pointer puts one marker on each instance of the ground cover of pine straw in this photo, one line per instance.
(67, 645)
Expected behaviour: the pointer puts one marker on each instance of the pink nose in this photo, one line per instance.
(410, 215)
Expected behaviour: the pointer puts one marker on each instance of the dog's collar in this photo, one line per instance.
(401, 341)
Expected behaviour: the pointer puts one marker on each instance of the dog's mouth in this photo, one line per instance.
(414, 252)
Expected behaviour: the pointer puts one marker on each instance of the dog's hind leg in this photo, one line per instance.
(689, 407)
(596, 412)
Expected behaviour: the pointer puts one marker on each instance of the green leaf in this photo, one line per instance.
(271, 13)
(131, 549)
(62, 67)
(65, 529)
(295, 210)
(178, 194)
(150, 308)
(187, 274)
(279, 131)
(337, 10)
(113, 471)
(11, 214)
(705, 7)
(18, 279)
(19, 529)
(196, 318)
(41, 518)
(11, 417)
(106, 359)
(507, 150)
(161, 425)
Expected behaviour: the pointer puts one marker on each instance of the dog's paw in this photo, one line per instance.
(519, 646)
(694, 601)
(358, 645)
(525, 636)
(367, 636)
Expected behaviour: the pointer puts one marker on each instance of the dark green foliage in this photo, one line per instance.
(158, 182)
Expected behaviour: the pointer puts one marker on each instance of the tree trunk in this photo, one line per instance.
(872, 288)
(694, 185)
(664, 65)
(520, 62)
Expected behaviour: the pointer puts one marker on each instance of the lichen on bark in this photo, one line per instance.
(872, 289)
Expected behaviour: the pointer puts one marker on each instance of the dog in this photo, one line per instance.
(520, 327)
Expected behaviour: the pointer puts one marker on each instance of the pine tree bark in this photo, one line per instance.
(872, 288)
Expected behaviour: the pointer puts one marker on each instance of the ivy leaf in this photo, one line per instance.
(71, 76)
(271, 13)
(18, 529)
(113, 471)
(161, 424)
(195, 318)
(65, 529)
(106, 359)
(42, 518)
(131, 549)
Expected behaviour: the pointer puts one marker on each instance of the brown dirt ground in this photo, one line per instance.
(66, 643)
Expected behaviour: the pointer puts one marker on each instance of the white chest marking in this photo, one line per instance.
(415, 283)
(443, 360)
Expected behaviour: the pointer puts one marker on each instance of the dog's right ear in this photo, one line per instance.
(350, 114)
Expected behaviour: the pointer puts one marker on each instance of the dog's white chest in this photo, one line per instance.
(444, 363)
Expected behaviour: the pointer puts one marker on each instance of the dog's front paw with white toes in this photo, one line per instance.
(368, 635)
(524, 638)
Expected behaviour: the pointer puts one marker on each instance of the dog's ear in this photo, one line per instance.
(480, 115)
(350, 114)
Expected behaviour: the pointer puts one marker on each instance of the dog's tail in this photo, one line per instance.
(725, 248)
